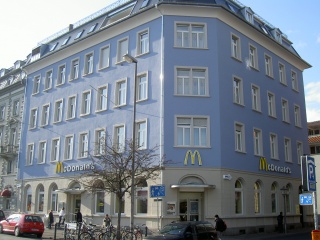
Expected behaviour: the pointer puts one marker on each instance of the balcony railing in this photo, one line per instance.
(7, 151)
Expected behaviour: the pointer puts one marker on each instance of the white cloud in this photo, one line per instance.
(312, 95)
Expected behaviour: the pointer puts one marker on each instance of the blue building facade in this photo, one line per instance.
(220, 91)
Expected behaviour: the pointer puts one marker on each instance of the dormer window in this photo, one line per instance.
(249, 15)
(79, 35)
(93, 27)
(144, 3)
(54, 47)
(65, 41)
(277, 34)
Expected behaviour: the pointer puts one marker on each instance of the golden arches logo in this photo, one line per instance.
(193, 156)
(59, 167)
(263, 164)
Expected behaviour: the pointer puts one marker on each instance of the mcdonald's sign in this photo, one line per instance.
(192, 156)
(264, 166)
(59, 167)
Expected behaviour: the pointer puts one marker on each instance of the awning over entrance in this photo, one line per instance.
(6, 193)
(70, 190)
(193, 186)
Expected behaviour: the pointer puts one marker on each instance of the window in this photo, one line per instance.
(142, 196)
(144, 3)
(299, 152)
(53, 47)
(55, 150)
(2, 112)
(287, 150)
(142, 89)
(121, 92)
(238, 197)
(33, 118)
(294, 80)
(271, 105)
(282, 74)
(74, 69)
(119, 137)
(253, 57)
(71, 111)
(268, 65)
(28, 199)
(102, 98)
(83, 145)
(297, 116)
(104, 57)
(274, 197)
(79, 35)
(86, 103)
(36, 85)
(16, 107)
(191, 82)
(61, 75)
(100, 142)
(122, 49)
(42, 152)
(274, 154)
(54, 199)
(13, 136)
(88, 64)
(68, 147)
(58, 108)
(235, 47)
(239, 137)
(238, 91)
(45, 115)
(190, 35)
(141, 128)
(30, 152)
(143, 42)
(255, 91)
(99, 202)
(257, 142)
(40, 198)
(249, 16)
(1, 137)
(285, 110)
(48, 81)
(257, 197)
(192, 131)
(65, 41)
(92, 28)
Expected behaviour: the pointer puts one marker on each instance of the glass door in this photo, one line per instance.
(189, 209)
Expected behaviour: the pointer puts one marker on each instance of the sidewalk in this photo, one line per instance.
(50, 233)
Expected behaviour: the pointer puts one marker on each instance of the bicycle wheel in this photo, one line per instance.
(138, 235)
(129, 236)
(85, 236)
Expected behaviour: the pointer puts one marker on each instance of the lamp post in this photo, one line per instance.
(284, 192)
(129, 59)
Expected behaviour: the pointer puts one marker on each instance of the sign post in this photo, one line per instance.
(157, 191)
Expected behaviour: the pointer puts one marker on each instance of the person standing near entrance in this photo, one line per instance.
(280, 222)
(79, 216)
(50, 220)
(62, 214)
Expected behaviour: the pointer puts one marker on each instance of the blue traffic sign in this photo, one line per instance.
(311, 171)
(157, 191)
(306, 199)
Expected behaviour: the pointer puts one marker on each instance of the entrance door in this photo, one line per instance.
(190, 207)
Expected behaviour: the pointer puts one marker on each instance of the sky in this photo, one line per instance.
(25, 23)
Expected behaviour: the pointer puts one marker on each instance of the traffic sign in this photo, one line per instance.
(157, 191)
(306, 199)
(311, 171)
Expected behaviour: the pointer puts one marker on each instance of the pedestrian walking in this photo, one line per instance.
(220, 226)
(107, 221)
(62, 215)
(280, 222)
(50, 220)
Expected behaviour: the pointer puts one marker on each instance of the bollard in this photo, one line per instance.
(65, 232)
(146, 233)
(79, 229)
(55, 231)
(315, 234)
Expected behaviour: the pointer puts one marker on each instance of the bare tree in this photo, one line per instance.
(113, 170)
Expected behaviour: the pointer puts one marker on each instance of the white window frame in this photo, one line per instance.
(189, 128)
(294, 80)
(48, 80)
(83, 145)
(122, 48)
(2, 112)
(58, 110)
(282, 74)
(239, 135)
(61, 79)
(74, 71)
(255, 97)
(72, 107)
(271, 98)
(36, 85)
(104, 57)
(297, 115)
(235, 47)
(249, 15)
(88, 63)
(102, 98)
(42, 152)
(274, 150)
(187, 86)
(40, 199)
(33, 118)
(287, 150)
(253, 57)
(119, 138)
(100, 141)
(96, 198)
(45, 115)
(142, 87)
(16, 107)
(30, 154)
(257, 142)
(86, 103)
(238, 198)
(121, 93)
(55, 150)
(68, 147)
(268, 65)
(257, 197)
(141, 134)
(188, 34)
(285, 110)
(143, 42)
(54, 199)
(238, 90)
(299, 151)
